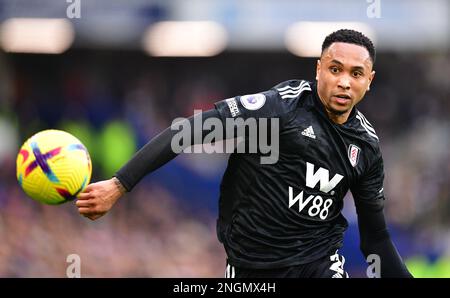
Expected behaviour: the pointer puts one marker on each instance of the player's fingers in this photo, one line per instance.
(89, 188)
(85, 211)
(84, 196)
(84, 203)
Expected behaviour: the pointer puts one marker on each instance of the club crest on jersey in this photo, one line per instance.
(253, 101)
(353, 154)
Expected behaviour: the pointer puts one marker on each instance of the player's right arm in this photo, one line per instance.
(98, 198)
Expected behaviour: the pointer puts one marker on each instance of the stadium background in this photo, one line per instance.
(108, 90)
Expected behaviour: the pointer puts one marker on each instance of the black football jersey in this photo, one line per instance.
(289, 212)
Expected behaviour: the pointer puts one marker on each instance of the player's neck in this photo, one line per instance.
(338, 118)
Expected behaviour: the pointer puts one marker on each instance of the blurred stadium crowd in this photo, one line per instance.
(116, 101)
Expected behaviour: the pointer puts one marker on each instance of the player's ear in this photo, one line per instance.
(317, 69)
(371, 77)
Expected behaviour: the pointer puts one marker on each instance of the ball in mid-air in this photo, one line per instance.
(53, 166)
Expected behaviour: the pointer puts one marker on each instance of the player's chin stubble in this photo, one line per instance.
(336, 111)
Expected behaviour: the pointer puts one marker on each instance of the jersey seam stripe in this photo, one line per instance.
(365, 120)
(293, 88)
(368, 131)
(227, 272)
(294, 92)
(366, 125)
(289, 96)
(362, 115)
(288, 92)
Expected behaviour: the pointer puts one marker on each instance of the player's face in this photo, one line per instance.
(344, 74)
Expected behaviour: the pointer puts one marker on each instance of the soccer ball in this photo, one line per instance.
(53, 166)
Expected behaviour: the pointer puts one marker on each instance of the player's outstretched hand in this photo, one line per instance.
(98, 198)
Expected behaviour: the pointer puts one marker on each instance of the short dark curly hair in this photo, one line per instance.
(350, 36)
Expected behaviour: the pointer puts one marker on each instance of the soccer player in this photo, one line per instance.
(284, 219)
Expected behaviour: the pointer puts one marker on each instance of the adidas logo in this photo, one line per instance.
(309, 132)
